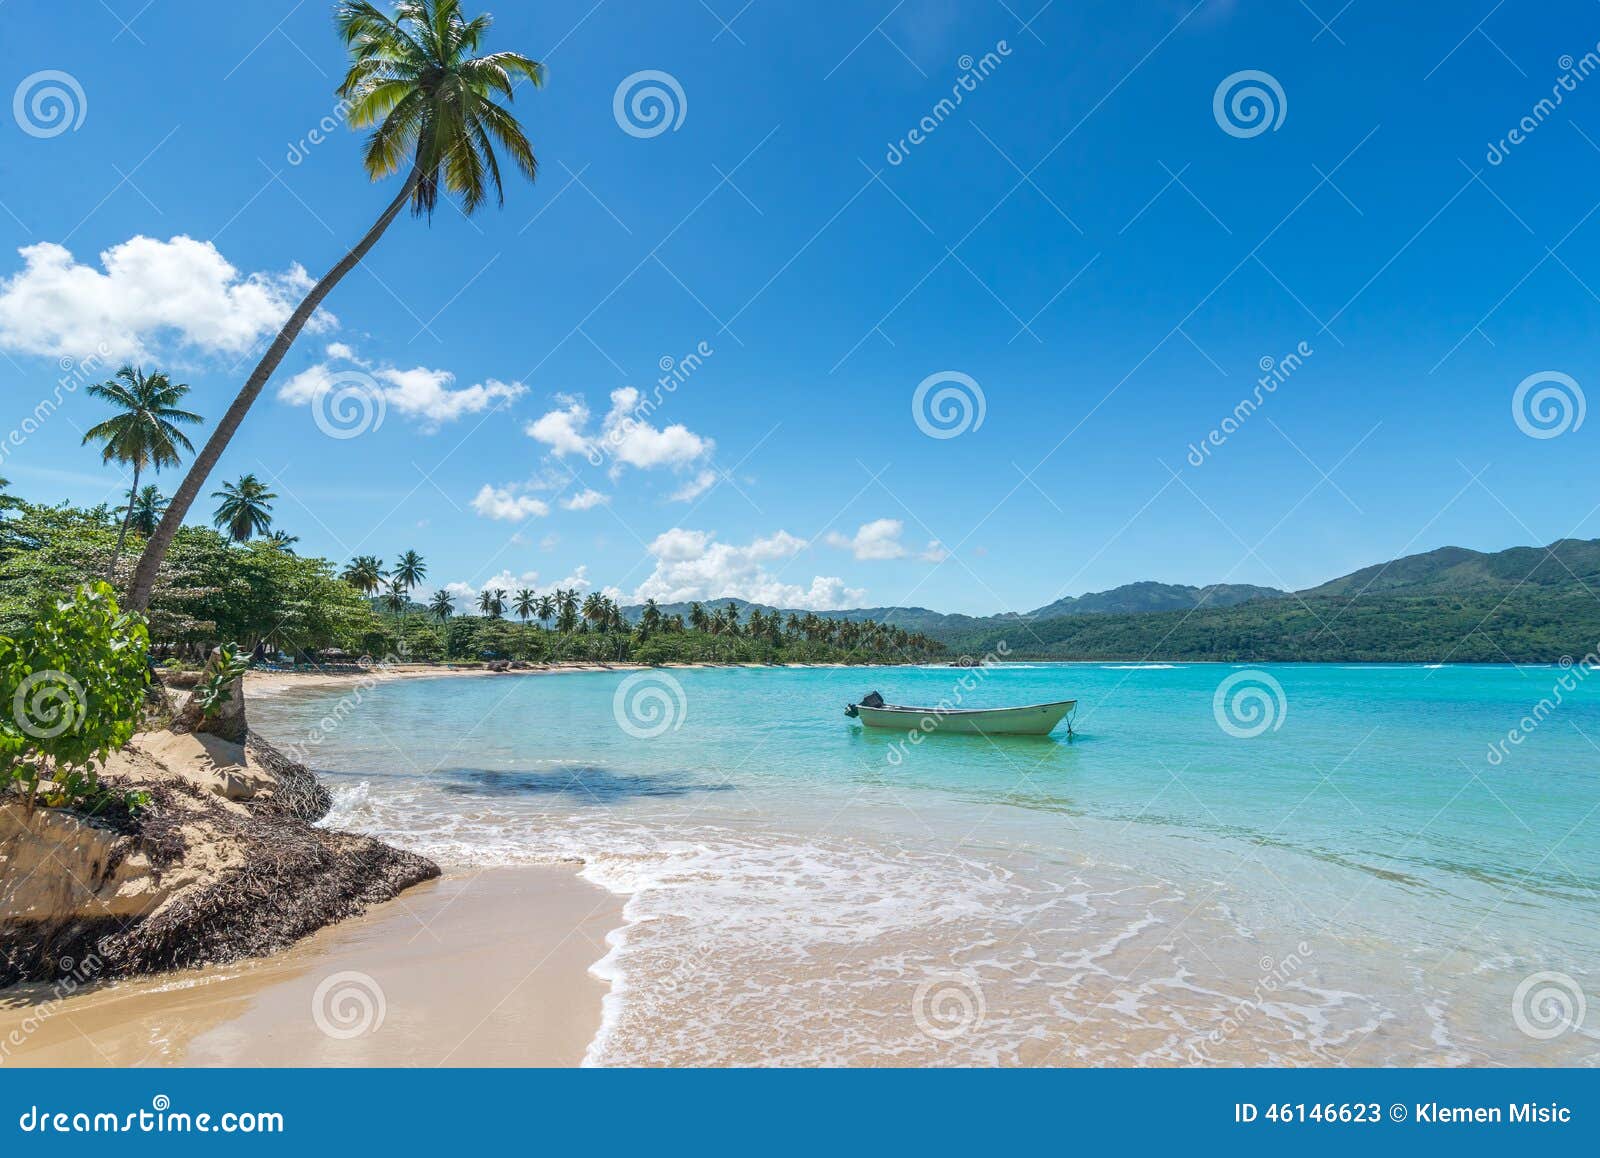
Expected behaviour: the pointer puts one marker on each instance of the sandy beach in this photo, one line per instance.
(269, 683)
(485, 968)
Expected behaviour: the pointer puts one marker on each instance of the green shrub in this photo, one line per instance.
(71, 690)
(216, 688)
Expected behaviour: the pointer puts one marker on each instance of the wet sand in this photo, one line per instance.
(483, 968)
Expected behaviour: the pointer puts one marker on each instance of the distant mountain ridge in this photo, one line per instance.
(1129, 598)
(1445, 603)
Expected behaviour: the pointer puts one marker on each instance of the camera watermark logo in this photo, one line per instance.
(348, 1005)
(648, 103)
(948, 1005)
(1248, 703)
(49, 103)
(348, 405)
(1548, 404)
(649, 704)
(948, 404)
(1547, 1005)
(1248, 103)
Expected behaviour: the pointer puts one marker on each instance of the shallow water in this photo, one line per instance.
(1328, 865)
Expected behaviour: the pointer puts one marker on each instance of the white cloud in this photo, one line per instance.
(691, 564)
(695, 487)
(562, 429)
(418, 393)
(578, 581)
(145, 294)
(626, 437)
(503, 503)
(586, 499)
(549, 542)
(879, 539)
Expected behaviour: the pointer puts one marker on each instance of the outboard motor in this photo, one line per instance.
(870, 700)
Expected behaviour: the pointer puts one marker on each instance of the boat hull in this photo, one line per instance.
(1032, 720)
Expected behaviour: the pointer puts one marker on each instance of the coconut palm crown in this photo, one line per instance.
(416, 78)
(144, 434)
(245, 509)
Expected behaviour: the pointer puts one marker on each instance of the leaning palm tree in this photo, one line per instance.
(144, 435)
(416, 78)
(148, 505)
(364, 573)
(442, 604)
(245, 509)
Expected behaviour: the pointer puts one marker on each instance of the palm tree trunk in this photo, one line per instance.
(144, 575)
(122, 533)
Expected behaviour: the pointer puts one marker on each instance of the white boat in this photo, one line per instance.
(1028, 720)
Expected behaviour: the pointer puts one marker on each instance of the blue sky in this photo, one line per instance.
(1080, 238)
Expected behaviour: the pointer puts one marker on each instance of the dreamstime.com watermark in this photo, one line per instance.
(1274, 373)
(1275, 974)
(648, 103)
(349, 404)
(160, 1118)
(71, 976)
(373, 672)
(948, 404)
(674, 373)
(1573, 73)
(1248, 703)
(319, 133)
(1547, 1005)
(1548, 404)
(49, 103)
(1248, 103)
(973, 677)
(75, 372)
(649, 704)
(973, 73)
(48, 704)
(947, 1005)
(348, 1005)
(1573, 673)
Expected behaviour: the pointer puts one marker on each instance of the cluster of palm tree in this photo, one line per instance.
(597, 612)
(366, 574)
(144, 435)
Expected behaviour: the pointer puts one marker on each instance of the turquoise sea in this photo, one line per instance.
(1317, 865)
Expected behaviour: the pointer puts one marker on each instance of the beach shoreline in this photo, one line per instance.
(477, 968)
(268, 683)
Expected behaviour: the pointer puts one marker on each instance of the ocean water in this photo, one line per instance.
(1290, 864)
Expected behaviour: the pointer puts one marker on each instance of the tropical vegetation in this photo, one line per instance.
(418, 80)
(74, 679)
(142, 436)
